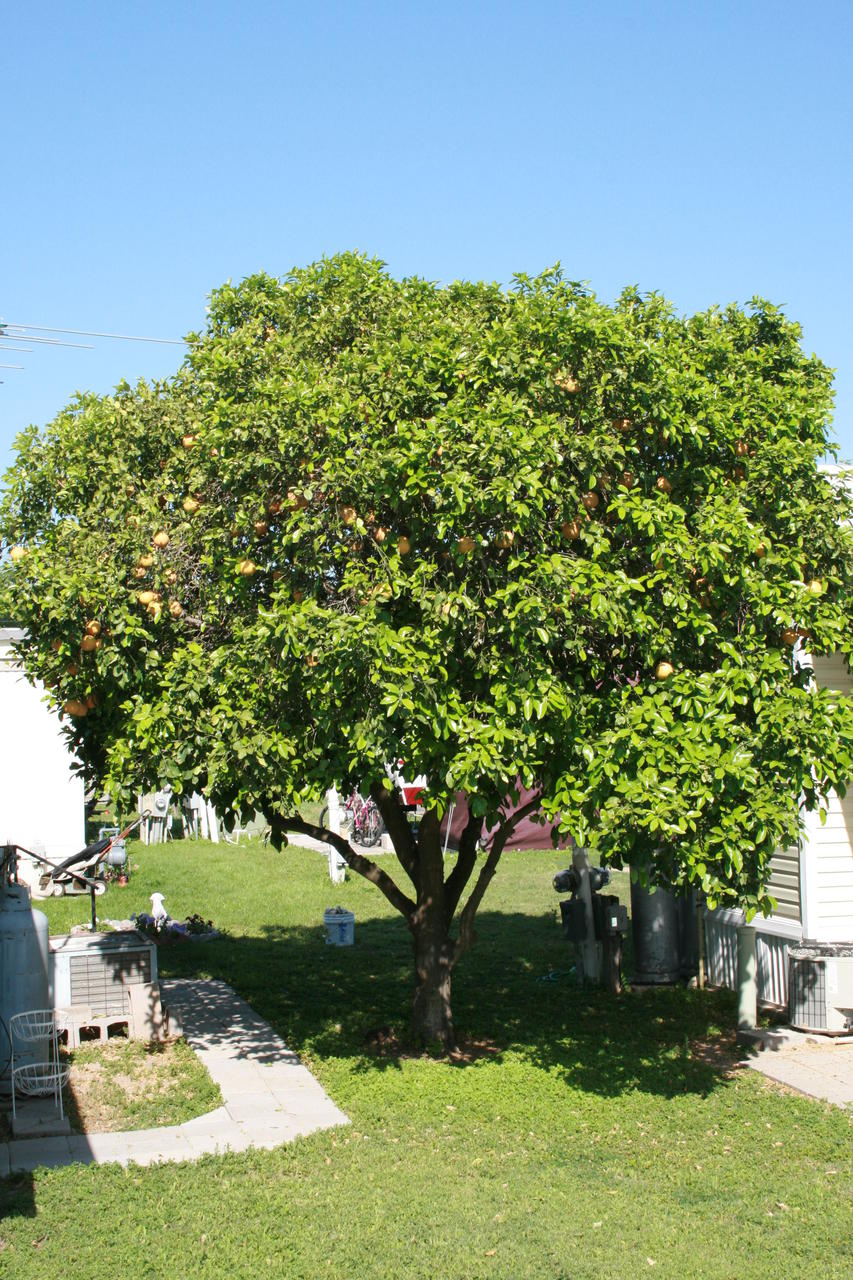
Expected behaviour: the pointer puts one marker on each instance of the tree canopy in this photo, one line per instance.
(511, 535)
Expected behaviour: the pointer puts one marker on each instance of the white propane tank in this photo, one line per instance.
(23, 973)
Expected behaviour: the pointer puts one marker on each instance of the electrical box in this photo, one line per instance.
(574, 919)
(611, 918)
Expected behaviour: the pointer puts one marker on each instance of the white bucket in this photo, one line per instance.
(340, 926)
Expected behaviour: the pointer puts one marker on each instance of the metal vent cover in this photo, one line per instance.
(99, 980)
(820, 987)
(807, 993)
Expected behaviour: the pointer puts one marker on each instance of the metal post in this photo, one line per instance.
(333, 801)
(747, 986)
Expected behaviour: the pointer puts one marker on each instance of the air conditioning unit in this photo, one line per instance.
(93, 969)
(820, 988)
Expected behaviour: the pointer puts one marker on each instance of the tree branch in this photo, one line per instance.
(465, 862)
(466, 936)
(356, 861)
(394, 816)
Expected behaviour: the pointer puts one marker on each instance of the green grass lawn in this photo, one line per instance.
(589, 1141)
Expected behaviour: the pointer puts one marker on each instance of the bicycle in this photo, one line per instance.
(363, 816)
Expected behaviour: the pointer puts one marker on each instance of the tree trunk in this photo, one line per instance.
(432, 1018)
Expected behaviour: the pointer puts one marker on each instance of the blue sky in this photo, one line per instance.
(701, 150)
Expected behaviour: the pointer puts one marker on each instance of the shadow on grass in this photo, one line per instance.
(512, 992)
(17, 1198)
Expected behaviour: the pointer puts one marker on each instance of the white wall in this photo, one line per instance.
(826, 867)
(42, 804)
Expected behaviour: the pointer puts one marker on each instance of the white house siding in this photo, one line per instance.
(828, 849)
(784, 883)
(42, 804)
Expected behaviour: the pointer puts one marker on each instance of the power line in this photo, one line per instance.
(91, 333)
(11, 366)
(13, 348)
(51, 342)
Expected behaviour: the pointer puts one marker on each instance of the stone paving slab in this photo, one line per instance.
(269, 1096)
(817, 1067)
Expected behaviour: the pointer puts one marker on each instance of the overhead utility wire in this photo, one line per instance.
(91, 333)
(14, 348)
(51, 342)
(11, 366)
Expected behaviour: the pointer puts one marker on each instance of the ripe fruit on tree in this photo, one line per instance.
(466, 544)
(816, 587)
(622, 424)
(790, 635)
(571, 529)
(348, 514)
(148, 597)
(17, 553)
(274, 506)
(663, 485)
(161, 539)
(739, 473)
(75, 707)
(188, 441)
(89, 644)
(261, 528)
(505, 539)
(145, 561)
(628, 479)
(379, 534)
(93, 627)
(311, 660)
(404, 545)
(155, 608)
(741, 449)
(247, 568)
(298, 502)
(191, 506)
(760, 551)
(664, 670)
(590, 500)
(175, 608)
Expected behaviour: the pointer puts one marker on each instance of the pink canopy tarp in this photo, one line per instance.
(530, 833)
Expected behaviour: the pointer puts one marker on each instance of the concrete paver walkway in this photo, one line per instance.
(269, 1097)
(819, 1066)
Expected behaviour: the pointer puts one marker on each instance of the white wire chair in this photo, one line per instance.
(38, 1079)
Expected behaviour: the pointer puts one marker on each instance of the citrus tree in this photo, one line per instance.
(513, 536)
